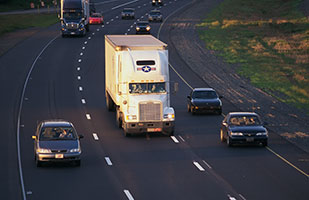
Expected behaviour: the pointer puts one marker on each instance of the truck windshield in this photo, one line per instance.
(146, 88)
(72, 15)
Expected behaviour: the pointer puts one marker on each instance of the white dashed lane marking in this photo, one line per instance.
(108, 161)
(128, 194)
(85, 42)
(78, 68)
(198, 166)
(174, 139)
(208, 165)
(79, 77)
(81, 53)
(79, 60)
(95, 136)
(80, 88)
(182, 138)
(83, 101)
(88, 116)
(83, 47)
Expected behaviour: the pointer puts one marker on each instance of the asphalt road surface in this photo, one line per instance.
(47, 77)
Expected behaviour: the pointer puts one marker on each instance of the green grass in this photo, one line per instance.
(17, 22)
(269, 40)
(8, 5)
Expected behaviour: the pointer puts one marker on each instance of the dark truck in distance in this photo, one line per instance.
(74, 17)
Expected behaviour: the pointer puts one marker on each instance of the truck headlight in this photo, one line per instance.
(42, 150)
(168, 116)
(262, 133)
(131, 117)
(75, 150)
(148, 28)
(236, 134)
(137, 28)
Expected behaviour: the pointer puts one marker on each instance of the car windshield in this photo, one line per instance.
(72, 15)
(58, 133)
(245, 120)
(155, 13)
(146, 88)
(142, 24)
(204, 95)
(95, 15)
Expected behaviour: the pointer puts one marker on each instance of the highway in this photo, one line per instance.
(47, 77)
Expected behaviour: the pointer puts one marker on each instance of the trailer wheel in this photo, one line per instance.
(109, 102)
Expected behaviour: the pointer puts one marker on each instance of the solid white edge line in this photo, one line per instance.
(88, 116)
(128, 194)
(121, 5)
(243, 198)
(180, 77)
(174, 139)
(208, 165)
(108, 161)
(21, 179)
(231, 198)
(95, 136)
(198, 166)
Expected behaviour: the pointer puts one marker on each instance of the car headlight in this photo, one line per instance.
(131, 117)
(148, 28)
(262, 133)
(168, 116)
(41, 150)
(236, 133)
(137, 28)
(74, 150)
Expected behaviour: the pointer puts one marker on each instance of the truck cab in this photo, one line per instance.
(74, 17)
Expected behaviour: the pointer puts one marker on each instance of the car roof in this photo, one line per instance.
(55, 123)
(128, 9)
(155, 11)
(243, 113)
(203, 89)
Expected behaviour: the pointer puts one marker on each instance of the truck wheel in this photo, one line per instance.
(38, 163)
(118, 118)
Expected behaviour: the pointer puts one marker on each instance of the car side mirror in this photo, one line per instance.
(80, 136)
(34, 137)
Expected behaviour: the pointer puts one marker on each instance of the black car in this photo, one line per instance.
(142, 27)
(128, 13)
(56, 141)
(242, 128)
(155, 15)
(204, 100)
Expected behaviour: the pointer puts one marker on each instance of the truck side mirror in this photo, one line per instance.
(175, 88)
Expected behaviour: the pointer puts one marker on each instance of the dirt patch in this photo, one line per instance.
(9, 40)
(221, 76)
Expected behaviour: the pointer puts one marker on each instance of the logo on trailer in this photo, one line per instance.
(146, 69)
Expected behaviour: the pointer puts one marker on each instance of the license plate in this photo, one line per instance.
(154, 129)
(250, 139)
(59, 156)
(72, 33)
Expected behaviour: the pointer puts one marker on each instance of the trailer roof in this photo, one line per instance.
(135, 41)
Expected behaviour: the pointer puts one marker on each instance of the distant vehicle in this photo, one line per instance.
(242, 128)
(159, 2)
(128, 13)
(56, 141)
(137, 84)
(74, 17)
(92, 8)
(142, 27)
(204, 100)
(96, 18)
(155, 15)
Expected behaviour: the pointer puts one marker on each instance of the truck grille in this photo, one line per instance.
(72, 26)
(150, 111)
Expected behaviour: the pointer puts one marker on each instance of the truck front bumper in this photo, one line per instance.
(166, 127)
(73, 32)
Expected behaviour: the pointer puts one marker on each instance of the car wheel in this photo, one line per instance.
(188, 108)
(192, 110)
(265, 143)
(126, 134)
(219, 112)
(118, 118)
(222, 136)
(229, 142)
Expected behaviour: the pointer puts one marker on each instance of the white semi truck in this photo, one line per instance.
(137, 83)
(74, 17)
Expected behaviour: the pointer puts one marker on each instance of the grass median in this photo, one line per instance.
(10, 23)
(270, 42)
